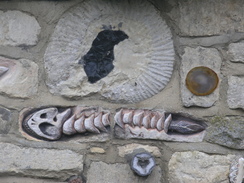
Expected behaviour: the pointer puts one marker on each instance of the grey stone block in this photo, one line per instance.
(206, 18)
(235, 93)
(5, 120)
(46, 163)
(195, 166)
(101, 172)
(236, 52)
(226, 131)
(195, 57)
(18, 28)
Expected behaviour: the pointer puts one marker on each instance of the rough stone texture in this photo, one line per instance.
(17, 28)
(226, 131)
(102, 137)
(26, 180)
(194, 57)
(97, 150)
(21, 80)
(46, 163)
(209, 17)
(129, 148)
(236, 53)
(5, 120)
(143, 62)
(142, 133)
(120, 173)
(235, 93)
(195, 166)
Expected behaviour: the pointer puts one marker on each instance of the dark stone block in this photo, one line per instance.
(98, 62)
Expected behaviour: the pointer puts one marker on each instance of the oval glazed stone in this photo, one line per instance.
(202, 81)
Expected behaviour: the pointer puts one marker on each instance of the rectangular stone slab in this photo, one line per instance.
(46, 163)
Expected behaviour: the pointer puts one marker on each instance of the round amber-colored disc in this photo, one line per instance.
(202, 81)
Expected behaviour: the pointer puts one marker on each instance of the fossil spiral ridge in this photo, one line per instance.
(149, 51)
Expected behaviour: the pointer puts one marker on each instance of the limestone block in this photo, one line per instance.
(21, 78)
(46, 163)
(205, 18)
(195, 57)
(18, 28)
(226, 131)
(12, 179)
(195, 166)
(97, 150)
(235, 52)
(129, 148)
(5, 120)
(101, 172)
(143, 63)
(235, 93)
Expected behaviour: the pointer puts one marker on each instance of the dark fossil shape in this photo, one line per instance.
(202, 81)
(143, 164)
(185, 127)
(98, 62)
(184, 124)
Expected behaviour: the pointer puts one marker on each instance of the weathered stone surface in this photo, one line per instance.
(226, 131)
(5, 120)
(129, 148)
(21, 79)
(195, 166)
(235, 93)
(236, 53)
(195, 57)
(97, 150)
(120, 173)
(102, 137)
(46, 163)
(26, 180)
(143, 64)
(209, 17)
(18, 28)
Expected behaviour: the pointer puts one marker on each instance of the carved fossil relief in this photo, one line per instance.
(237, 171)
(51, 123)
(143, 64)
(147, 124)
(142, 164)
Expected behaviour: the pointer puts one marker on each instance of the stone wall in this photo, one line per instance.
(42, 80)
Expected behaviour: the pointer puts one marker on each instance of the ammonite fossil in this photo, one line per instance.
(50, 123)
(143, 63)
(202, 81)
(149, 124)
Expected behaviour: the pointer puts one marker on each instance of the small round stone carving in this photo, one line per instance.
(202, 81)
(143, 164)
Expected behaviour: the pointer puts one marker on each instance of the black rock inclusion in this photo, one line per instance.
(98, 62)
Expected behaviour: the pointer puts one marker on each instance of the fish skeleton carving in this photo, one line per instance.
(50, 123)
(149, 124)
